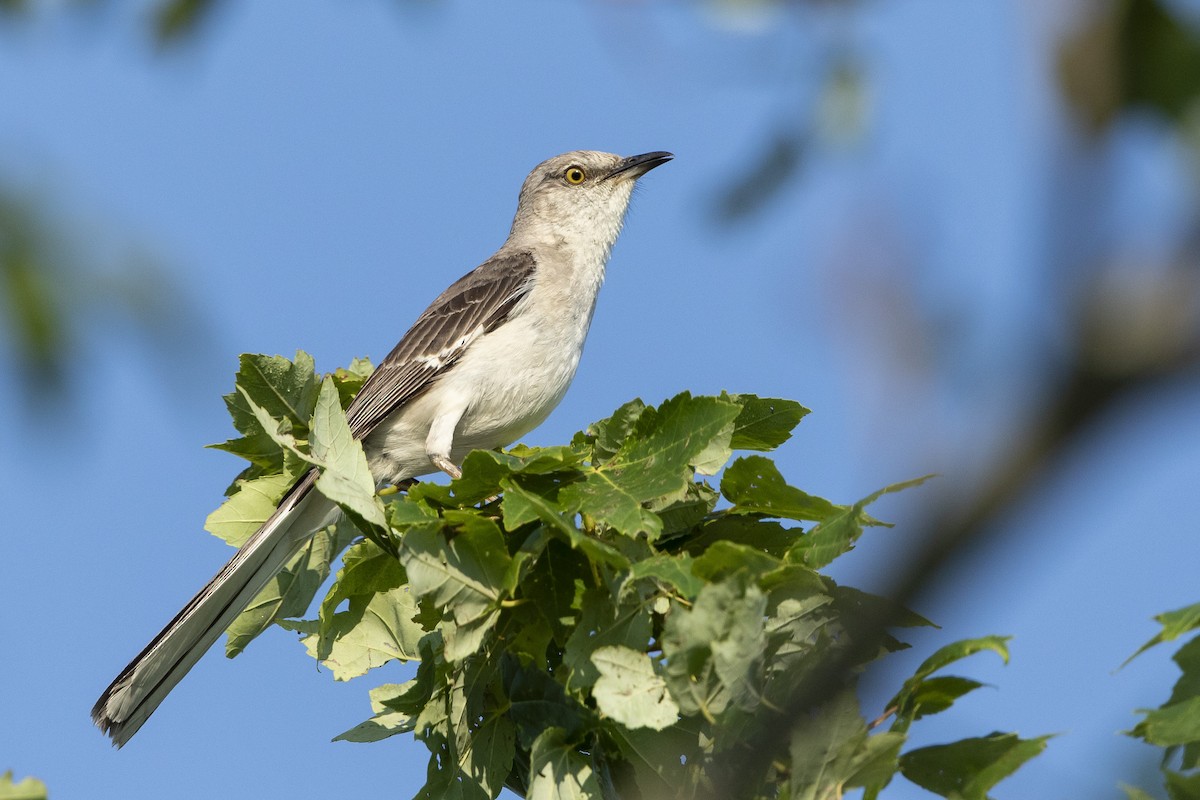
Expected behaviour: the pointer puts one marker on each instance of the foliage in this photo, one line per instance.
(25, 789)
(597, 619)
(1175, 725)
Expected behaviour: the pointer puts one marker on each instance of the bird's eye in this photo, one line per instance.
(575, 175)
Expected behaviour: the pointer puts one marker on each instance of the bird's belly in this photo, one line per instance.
(505, 397)
(512, 396)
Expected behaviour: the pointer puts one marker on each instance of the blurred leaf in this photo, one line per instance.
(25, 789)
(826, 748)
(30, 297)
(1182, 787)
(1134, 793)
(769, 171)
(1131, 53)
(175, 20)
(714, 650)
(969, 768)
(1160, 59)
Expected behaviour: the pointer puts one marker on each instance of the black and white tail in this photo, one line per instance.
(130, 700)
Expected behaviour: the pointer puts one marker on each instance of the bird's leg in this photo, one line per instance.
(441, 436)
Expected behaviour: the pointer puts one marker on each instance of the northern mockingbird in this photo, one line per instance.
(482, 366)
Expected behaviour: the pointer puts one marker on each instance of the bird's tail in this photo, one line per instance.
(130, 700)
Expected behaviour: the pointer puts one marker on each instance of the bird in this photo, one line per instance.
(482, 366)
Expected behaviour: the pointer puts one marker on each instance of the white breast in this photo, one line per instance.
(508, 381)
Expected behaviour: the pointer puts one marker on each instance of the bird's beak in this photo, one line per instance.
(635, 167)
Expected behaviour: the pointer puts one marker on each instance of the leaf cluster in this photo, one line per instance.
(600, 619)
(1175, 725)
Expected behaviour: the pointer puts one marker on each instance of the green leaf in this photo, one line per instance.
(1182, 787)
(630, 691)
(603, 624)
(666, 763)
(285, 390)
(248, 508)
(754, 486)
(723, 559)
(935, 695)
(714, 650)
(837, 533)
(350, 380)
(1174, 624)
(558, 771)
(25, 789)
(377, 625)
(1170, 725)
(489, 757)
(961, 649)
(464, 575)
(764, 423)
(827, 748)
(345, 477)
(520, 507)
(862, 613)
(538, 702)
(969, 768)
(681, 514)
(750, 530)
(387, 721)
(921, 695)
(552, 586)
(608, 435)
(675, 571)
(291, 591)
(651, 464)
(875, 765)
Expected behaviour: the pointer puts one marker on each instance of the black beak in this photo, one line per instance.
(637, 166)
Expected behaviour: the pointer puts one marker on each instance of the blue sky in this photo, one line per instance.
(310, 176)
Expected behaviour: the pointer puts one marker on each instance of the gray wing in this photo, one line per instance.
(475, 304)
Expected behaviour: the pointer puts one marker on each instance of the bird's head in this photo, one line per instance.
(580, 198)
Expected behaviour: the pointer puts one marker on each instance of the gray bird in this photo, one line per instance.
(482, 366)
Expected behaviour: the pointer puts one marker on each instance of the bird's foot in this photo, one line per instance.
(446, 465)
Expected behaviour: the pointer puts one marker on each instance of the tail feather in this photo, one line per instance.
(130, 699)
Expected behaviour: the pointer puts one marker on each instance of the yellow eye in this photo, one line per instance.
(574, 175)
